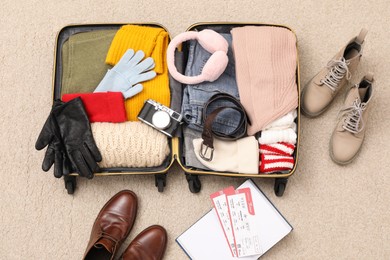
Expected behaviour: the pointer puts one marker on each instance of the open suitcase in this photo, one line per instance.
(176, 143)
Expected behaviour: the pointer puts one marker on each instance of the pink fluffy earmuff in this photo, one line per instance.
(212, 42)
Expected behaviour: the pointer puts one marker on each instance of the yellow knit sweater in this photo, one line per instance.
(153, 41)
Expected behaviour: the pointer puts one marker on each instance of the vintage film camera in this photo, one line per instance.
(160, 117)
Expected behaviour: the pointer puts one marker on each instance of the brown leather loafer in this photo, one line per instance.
(112, 226)
(150, 244)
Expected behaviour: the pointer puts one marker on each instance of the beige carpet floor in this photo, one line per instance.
(337, 212)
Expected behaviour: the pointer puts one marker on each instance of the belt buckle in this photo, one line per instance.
(203, 153)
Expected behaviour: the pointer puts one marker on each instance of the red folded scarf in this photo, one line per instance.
(102, 107)
(275, 163)
(281, 148)
(276, 157)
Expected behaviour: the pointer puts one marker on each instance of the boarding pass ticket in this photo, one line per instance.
(244, 224)
(237, 218)
(221, 206)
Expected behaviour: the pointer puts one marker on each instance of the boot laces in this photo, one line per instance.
(108, 236)
(353, 121)
(338, 69)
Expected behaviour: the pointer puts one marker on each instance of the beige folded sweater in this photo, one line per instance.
(239, 156)
(130, 144)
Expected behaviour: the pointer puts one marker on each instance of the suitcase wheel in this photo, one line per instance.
(280, 186)
(193, 183)
(160, 181)
(70, 184)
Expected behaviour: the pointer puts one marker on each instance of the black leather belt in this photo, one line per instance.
(208, 118)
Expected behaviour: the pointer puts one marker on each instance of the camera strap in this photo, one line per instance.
(208, 132)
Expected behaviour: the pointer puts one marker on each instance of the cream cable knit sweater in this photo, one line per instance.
(130, 144)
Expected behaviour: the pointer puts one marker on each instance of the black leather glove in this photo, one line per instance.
(76, 135)
(55, 153)
(71, 146)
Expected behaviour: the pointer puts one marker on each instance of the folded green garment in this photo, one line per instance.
(83, 60)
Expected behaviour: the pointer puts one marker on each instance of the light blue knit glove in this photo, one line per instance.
(127, 74)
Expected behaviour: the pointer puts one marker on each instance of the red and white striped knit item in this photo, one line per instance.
(277, 148)
(273, 163)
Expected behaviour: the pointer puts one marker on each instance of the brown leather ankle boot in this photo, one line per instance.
(112, 226)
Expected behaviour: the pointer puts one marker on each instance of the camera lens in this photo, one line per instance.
(161, 119)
